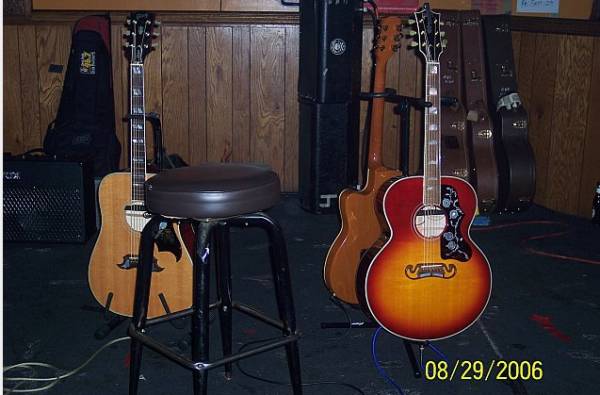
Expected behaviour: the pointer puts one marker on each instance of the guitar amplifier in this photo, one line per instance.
(48, 200)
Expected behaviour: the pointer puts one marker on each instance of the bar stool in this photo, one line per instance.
(216, 197)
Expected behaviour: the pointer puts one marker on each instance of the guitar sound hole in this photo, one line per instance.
(430, 221)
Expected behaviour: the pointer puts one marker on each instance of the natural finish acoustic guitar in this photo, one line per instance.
(428, 280)
(361, 226)
(121, 197)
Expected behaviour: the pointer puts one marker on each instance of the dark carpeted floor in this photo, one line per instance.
(542, 309)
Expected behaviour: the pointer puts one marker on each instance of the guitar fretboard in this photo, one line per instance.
(137, 126)
(432, 137)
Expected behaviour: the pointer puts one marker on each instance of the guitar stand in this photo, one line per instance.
(111, 319)
(370, 324)
(402, 108)
(106, 328)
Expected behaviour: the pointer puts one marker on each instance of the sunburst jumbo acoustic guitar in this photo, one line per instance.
(121, 197)
(428, 280)
(361, 226)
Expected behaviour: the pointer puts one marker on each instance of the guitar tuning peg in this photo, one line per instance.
(126, 33)
(442, 23)
(411, 21)
(155, 35)
(157, 23)
(444, 43)
(413, 44)
(128, 21)
(442, 34)
(409, 32)
(154, 46)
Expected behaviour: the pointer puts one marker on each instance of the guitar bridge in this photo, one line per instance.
(131, 262)
(425, 270)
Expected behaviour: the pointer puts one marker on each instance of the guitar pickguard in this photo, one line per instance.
(137, 217)
(453, 245)
(167, 241)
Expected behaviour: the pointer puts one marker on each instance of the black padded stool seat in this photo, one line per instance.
(212, 190)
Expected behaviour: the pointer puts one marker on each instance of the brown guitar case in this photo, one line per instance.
(516, 163)
(455, 143)
(484, 167)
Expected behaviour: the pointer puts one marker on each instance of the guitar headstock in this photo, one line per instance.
(388, 37)
(429, 37)
(139, 35)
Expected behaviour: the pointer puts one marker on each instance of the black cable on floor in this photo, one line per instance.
(283, 383)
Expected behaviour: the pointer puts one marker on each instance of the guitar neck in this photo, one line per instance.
(137, 128)
(377, 112)
(432, 136)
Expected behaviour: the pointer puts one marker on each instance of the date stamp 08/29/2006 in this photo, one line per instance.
(479, 370)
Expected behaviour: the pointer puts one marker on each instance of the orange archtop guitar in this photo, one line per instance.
(428, 280)
(111, 272)
(361, 226)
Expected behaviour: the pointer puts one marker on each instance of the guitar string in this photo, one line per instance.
(131, 132)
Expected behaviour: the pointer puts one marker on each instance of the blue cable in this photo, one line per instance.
(378, 365)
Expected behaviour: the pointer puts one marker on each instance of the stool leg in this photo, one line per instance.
(285, 302)
(223, 268)
(201, 295)
(142, 294)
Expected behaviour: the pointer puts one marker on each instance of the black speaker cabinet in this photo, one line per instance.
(328, 90)
(48, 200)
(326, 164)
(330, 49)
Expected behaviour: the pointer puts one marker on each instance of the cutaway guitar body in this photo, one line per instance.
(113, 262)
(361, 224)
(428, 280)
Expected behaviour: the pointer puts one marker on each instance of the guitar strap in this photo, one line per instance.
(516, 163)
(483, 156)
(455, 152)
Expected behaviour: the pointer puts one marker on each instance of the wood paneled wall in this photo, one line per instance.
(559, 82)
(223, 92)
(229, 92)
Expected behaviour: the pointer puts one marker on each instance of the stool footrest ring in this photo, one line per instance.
(176, 315)
(201, 366)
(259, 315)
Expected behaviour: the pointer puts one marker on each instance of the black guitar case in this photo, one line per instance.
(516, 163)
(84, 128)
